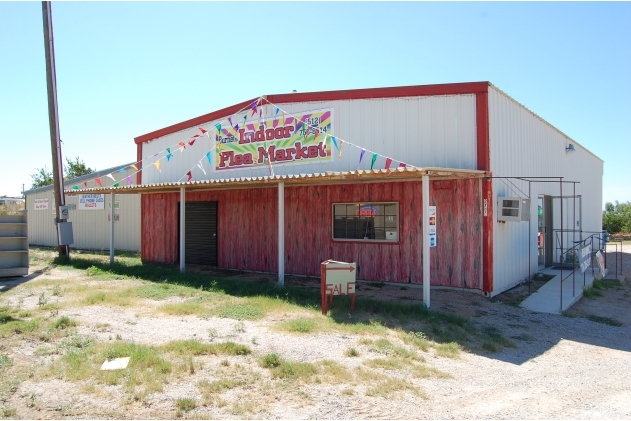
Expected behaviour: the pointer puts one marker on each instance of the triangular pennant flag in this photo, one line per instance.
(111, 176)
(236, 128)
(388, 163)
(115, 184)
(218, 127)
(208, 158)
(277, 110)
(334, 139)
(361, 155)
(190, 142)
(339, 156)
(183, 146)
(230, 121)
(169, 154)
(374, 158)
(201, 167)
(134, 167)
(190, 176)
(204, 131)
(157, 164)
(283, 118)
(253, 106)
(402, 165)
(316, 135)
(121, 170)
(97, 180)
(85, 184)
(75, 187)
(129, 180)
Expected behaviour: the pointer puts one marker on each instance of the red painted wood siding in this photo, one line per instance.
(247, 230)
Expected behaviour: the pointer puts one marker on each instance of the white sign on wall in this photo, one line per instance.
(432, 226)
(91, 202)
(40, 204)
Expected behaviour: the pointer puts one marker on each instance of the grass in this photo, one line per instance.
(591, 292)
(448, 350)
(327, 371)
(496, 341)
(185, 308)
(351, 352)
(5, 361)
(604, 320)
(64, 322)
(390, 387)
(385, 347)
(196, 348)
(386, 363)
(185, 404)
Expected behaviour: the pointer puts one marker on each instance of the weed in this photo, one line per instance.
(9, 413)
(384, 346)
(5, 361)
(417, 339)
(42, 300)
(195, 347)
(239, 327)
(348, 392)
(225, 363)
(270, 361)
(592, 293)
(386, 363)
(218, 386)
(75, 344)
(422, 372)
(185, 308)
(449, 350)
(352, 352)
(605, 320)
(212, 333)
(185, 404)
(64, 322)
(389, 387)
(299, 325)
(239, 311)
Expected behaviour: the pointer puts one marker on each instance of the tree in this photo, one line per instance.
(73, 168)
(617, 217)
(42, 177)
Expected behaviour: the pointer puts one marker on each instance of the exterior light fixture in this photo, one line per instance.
(570, 148)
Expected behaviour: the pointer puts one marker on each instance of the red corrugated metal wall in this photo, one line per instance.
(247, 230)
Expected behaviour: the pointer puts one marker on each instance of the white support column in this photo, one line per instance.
(112, 227)
(182, 228)
(426, 260)
(281, 234)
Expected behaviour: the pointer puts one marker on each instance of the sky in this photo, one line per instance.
(126, 69)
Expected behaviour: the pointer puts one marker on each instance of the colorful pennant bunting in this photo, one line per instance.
(402, 165)
(121, 170)
(129, 180)
(374, 159)
(201, 167)
(388, 163)
(208, 158)
(111, 176)
(361, 155)
(97, 180)
(190, 176)
(75, 187)
(183, 146)
(134, 167)
(190, 142)
(157, 164)
(169, 154)
(115, 184)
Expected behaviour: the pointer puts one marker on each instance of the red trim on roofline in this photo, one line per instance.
(400, 91)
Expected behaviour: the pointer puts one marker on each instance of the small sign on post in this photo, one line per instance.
(432, 226)
(601, 263)
(337, 278)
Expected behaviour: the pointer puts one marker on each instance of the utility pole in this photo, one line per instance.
(53, 117)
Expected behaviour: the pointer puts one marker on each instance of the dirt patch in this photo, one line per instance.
(548, 366)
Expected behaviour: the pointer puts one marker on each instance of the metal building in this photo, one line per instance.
(89, 213)
(283, 182)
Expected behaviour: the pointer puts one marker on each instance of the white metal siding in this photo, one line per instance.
(522, 144)
(91, 228)
(437, 131)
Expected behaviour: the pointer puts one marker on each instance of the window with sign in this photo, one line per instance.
(377, 221)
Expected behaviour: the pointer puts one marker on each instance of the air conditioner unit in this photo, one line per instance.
(513, 209)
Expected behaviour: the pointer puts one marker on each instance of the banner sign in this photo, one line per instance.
(91, 201)
(601, 263)
(584, 257)
(281, 139)
(40, 204)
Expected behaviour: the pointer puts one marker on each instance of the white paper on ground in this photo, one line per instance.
(115, 364)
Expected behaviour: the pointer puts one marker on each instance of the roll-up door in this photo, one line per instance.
(201, 233)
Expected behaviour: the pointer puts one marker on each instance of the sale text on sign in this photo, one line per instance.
(278, 140)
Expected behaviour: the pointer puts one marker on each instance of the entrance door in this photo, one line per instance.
(201, 233)
(544, 231)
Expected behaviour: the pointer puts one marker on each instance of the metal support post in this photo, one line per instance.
(426, 259)
(281, 234)
(182, 228)
(111, 228)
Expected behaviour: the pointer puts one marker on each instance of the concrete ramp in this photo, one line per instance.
(548, 298)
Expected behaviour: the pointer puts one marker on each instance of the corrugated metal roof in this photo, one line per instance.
(329, 177)
(79, 180)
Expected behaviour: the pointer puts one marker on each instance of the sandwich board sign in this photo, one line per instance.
(337, 278)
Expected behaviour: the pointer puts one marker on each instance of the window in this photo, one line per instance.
(366, 221)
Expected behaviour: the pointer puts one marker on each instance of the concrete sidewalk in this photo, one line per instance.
(548, 298)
